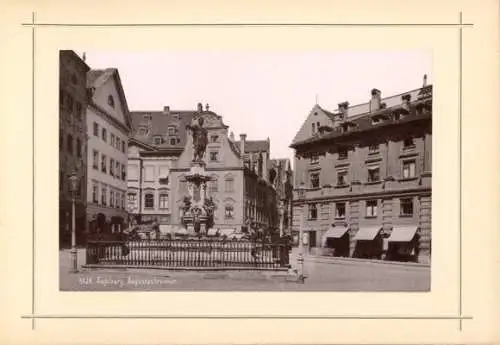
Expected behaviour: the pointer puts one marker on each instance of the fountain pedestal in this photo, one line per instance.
(198, 214)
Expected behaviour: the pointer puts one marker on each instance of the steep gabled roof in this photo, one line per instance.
(98, 77)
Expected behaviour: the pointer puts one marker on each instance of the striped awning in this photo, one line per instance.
(367, 233)
(336, 232)
(403, 233)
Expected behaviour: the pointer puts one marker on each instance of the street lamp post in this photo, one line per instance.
(301, 191)
(73, 179)
(282, 212)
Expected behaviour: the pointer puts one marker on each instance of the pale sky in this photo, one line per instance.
(262, 93)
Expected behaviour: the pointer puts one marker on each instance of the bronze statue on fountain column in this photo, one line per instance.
(200, 140)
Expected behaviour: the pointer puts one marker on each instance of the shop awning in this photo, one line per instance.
(403, 233)
(367, 233)
(336, 232)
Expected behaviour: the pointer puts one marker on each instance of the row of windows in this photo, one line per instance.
(149, 200)
(73, 147)
(371, 208)
(160, 140)
(213, 185)
(116, 198)
(67, 102)
(343, 152)
(408, 171)
(115, 141)
(116, 169)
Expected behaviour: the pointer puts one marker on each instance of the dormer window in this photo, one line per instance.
(172, 130)
(143, 131)
(175, 117)
(214, 138)
(408, 143)
(375, 120)
(158, 140)
(314, 159)
(111, 101)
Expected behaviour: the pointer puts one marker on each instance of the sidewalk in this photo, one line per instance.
(354, 261)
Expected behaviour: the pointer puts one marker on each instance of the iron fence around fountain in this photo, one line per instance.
(189, 253)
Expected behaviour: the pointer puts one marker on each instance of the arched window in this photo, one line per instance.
(229, 209)
(111, 101)
(69, 144)
(149, 200)
(163, 201)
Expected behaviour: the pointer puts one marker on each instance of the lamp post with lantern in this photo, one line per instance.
(301, 193)
(74, 180)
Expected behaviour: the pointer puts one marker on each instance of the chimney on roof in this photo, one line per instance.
(84, 56)
(166, 110)
(207, 107)
(406, 101)
(231, 136)
(200, 107)
(375, 100)
(343, 109)
(243, 138)
(425, 81)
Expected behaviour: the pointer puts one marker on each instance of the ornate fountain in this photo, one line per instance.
(198, 208)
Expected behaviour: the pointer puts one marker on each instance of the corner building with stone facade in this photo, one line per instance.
(367, 173)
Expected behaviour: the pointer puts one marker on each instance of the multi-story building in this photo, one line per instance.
(72, 143)
(367, 171)
(108, 126)
(160, 154)
(157, 140)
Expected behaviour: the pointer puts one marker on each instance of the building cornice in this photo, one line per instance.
(208, 169)
(336, 137)
(360, 196)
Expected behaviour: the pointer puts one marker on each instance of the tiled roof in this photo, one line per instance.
(158, 122)
(359, 115)
(392, 101)
(255, 145)
(364, 123)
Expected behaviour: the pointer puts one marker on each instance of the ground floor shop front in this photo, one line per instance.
(105, 220)
(399, 243)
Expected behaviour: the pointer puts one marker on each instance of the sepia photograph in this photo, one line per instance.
(253, 173)
(245, 171)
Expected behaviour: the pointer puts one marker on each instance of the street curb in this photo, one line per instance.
(359, 261)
